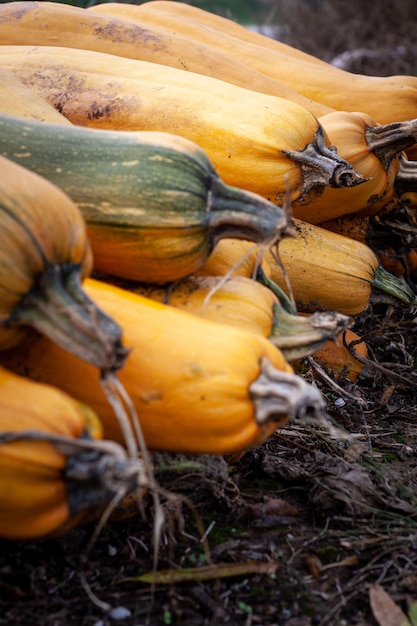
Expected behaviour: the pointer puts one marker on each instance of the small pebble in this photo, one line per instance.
(119, 613)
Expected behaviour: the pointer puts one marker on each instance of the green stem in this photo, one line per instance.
(299, 336)
(241, 214)
(58, 307)
(391, 285)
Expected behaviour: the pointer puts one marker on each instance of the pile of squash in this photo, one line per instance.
(184, 209)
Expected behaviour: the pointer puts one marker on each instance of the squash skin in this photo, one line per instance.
(280, 150)
(374, 151)
(44, 258)
(331, 271)
(154, 205)
(34, 496)
(189, 378)
(21, 101)
(387, 99)
(53, 23)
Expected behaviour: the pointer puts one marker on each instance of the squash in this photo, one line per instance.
(154, 206)
(54, 23)
(21, 101)
(387, 99)
(235, 257)
(353, 225)
(341, 359)
(53, 473)
(44, 257)
(331, 271)
(245, 303)
(262, 143)
(198, 386)
(211, 21)
(374, 151)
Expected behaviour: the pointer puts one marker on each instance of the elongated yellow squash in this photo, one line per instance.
(374, 151)
(53, 473)
(19, 100)
(183, 10)
(246, 303)
(387, 99)
(265, 144)
(327, 270)
(154, 205)
(54, 23)
(198, 386)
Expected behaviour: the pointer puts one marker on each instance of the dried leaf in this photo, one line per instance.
(207, 572)
(384, 609)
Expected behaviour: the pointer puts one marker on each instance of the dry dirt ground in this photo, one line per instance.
(294, 533)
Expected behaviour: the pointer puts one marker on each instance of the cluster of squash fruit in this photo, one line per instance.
(174, 200)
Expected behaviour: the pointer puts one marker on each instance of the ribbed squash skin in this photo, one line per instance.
(33, 236)
(188, 377)
(327, 270)
(250, 137)
(34, 499)
(388, 99)
(154, 205)
(184, 11)
(53, 23)
(238, 301)
(236, 258)
(21, 101)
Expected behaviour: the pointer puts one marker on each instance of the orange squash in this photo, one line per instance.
(245, 303)
(277, 151)
(339, 358)
(374, 151)
(387, 99)
(44, 257)
(198, 386)
(54, 474)
(54, 23)
(331, 271)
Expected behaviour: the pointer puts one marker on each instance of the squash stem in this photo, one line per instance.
(240, 214)
(406, 178)
(299, 336)
(387, 283)
(388, 141)
(322, 167)
(58, 307)
(279, 396)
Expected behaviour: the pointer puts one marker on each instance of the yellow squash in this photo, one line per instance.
(54, 23)
(331, 271)
(374, 151)
(246, 303)
(387, 99)
(198, 386)
(154, 205)
(44, 256)
(19, 100)
(53, 474)
(261, 143)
